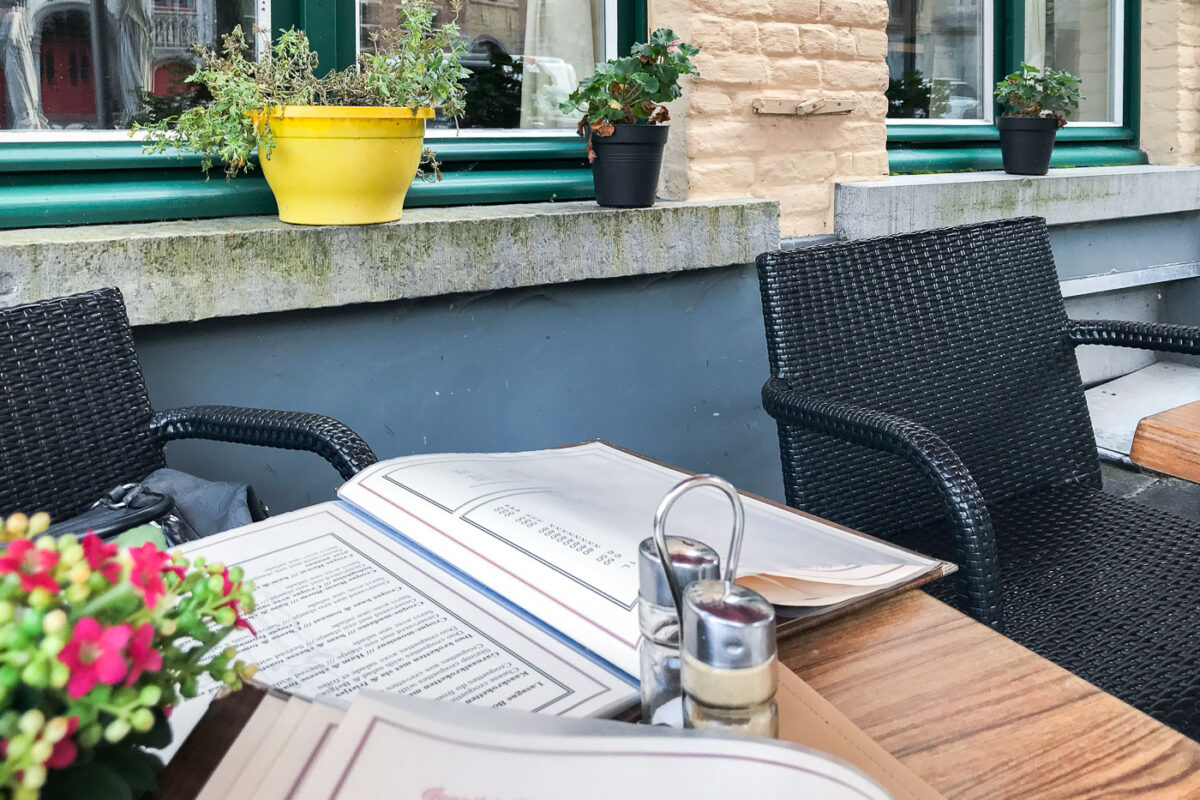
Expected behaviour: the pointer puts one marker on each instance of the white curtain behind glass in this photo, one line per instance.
(21, 83)
(564, 40)
(1075, 35)
(135, 55)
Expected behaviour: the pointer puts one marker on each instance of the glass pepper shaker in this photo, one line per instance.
(727, 667)
(662, 697)
(728, 651)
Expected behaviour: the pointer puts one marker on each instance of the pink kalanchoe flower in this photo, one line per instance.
(142, 655)
(32, 564)
(65, 751)
(147, 572)
(227, 587)
(242, 622)
(94, 655)
(101, 557)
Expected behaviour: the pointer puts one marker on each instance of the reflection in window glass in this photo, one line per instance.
(526, 56)
(1076, 36)
(936, 60)
(104, 63)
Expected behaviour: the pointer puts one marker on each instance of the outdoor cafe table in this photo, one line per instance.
(971, 712)
(979, 716)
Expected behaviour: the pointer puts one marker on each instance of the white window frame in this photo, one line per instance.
(987, 84)
(1116, 86)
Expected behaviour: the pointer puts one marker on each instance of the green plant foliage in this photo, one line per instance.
(1034, 92)
(908, 96)
(633, 89)
(493, 97)
(416, 64)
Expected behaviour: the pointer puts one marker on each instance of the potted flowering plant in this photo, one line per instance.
(624, 105)
(339, 149)
(97, 644)
(1037, 102)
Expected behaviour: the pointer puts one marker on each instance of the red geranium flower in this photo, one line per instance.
(142, 655)
(147, 572)
(94, 655)
(101, 557)
(32, 564)
(65, 751)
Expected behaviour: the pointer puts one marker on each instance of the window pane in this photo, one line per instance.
(526, 56)
(936, 60)
(105, 63)
(1076, 36)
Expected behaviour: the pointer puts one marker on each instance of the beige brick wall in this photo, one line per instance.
(795, 49)
(1170, 90)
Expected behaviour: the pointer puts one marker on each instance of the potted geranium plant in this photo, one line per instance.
(1037, 102)
(97, 644)
(338, 149)
(625, 115)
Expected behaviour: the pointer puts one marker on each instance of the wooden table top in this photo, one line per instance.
(1170, 442)
(978, 716)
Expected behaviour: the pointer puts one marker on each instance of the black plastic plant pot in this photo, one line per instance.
(627, 164)
(1026, 144)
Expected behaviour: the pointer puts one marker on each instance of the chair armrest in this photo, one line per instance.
(288, 430)
(975, 545)
(1143, 335)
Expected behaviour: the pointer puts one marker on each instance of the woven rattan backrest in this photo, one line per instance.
(961, 330)
(74, 414)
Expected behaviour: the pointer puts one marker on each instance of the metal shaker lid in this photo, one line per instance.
(727, 626)
(693, 561)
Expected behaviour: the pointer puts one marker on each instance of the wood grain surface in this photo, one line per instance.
(972, 713)
(978, 716)
(1170, 442)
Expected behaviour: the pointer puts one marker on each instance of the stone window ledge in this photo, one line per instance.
(179, 271)
(918, 202)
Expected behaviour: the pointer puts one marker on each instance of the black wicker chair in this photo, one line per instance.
(927, 392)
(75, 419)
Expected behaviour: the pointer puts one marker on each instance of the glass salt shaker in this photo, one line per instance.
(658, 618)
(727, 648)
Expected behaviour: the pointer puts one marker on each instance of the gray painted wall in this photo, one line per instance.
(670, 366)
(1121, 245)
(1126, 245)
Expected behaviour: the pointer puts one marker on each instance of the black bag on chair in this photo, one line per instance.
(185, 507)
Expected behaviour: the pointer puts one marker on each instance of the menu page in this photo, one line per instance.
(429, 751)
(341, 606)
(557, 532)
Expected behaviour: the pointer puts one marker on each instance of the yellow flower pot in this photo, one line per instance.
(342, 165)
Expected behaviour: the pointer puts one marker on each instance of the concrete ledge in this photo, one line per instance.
(918, 202)
(178, 271)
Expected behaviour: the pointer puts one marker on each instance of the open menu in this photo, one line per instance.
(506, 580)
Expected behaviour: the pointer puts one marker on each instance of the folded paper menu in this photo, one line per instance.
(432, 751)
(332, 752)
(507, 579)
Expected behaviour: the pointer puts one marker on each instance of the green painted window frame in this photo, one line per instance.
(915, 148)
(83, 183)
